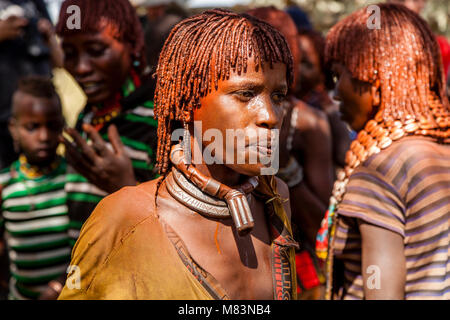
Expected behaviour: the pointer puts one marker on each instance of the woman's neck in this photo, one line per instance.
(219, 172)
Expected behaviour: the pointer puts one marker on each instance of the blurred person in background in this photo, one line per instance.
(113, 143)
(305, 161)
(315, 82)
(23, 51)
(33, 213)
(161, 17)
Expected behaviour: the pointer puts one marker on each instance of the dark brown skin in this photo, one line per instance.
(310, 71)
(384, 249)
(108, 169)
(12, 28)
(358, 100)
(243, 265)
(312, 80)
(380, 247)
(98, 61)
(312, 140)
(253, 103)
(35, 126)
(100, 64)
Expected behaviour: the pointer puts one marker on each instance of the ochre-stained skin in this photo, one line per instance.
(199, 52)
(222, 93)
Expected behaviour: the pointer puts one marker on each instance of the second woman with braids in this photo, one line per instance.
(203, 230)
(115, 136)
(385, 235)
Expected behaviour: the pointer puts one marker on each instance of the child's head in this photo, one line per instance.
(36, 120)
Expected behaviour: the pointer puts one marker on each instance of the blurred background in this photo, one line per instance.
(322, 13)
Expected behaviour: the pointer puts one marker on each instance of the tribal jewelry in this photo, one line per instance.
(378, 134)
(208, 196)
(32, 171)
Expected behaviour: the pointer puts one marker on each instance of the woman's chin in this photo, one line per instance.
(252, 170)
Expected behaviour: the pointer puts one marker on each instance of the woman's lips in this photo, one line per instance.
(91, 88)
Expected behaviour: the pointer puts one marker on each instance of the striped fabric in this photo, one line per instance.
(137, 130)
(35, 220)
(404, 189)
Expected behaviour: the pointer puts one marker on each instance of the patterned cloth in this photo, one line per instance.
(137, 130)
(127, 252)
(34, 216)
(405, 189)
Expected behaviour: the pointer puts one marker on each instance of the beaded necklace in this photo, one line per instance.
(26, 172)
(100, 115)
(377, 135)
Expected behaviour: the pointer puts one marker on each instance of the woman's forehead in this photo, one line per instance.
(255, 76)
(103, 30)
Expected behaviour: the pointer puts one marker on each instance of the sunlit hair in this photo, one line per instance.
(403, 55)
(96, 14)
(283, 22)
(199, 52)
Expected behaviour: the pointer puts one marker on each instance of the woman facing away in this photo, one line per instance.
(389, 217)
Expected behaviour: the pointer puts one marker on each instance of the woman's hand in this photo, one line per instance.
(12, 28)
(47, 30)
(108, 168)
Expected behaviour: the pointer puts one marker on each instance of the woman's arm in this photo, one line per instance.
(383, 263)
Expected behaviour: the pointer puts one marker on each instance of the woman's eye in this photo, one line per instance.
(31, 126)
(245, 95)
(279, 97)
(96, 50)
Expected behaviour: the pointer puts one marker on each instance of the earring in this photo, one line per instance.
(187, 143)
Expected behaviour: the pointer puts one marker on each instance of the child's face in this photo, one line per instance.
(36, 127)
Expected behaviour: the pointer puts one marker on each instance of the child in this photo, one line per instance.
(33, 200)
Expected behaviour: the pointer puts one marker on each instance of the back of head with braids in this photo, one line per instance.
(199, 52)
(404, 58)
(96, 14)
(402, 55)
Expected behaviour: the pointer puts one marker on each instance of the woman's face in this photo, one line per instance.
(356, 97)
(310, 70)
(251, 104)
(98, 61)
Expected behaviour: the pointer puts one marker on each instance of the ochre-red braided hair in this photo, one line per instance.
(199, 52)
(403, 55)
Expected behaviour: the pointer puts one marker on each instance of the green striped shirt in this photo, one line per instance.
(35, 222)
(137, 131)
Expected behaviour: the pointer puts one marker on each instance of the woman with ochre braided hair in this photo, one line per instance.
(106, 57)
(203, 230)
(385, 235)
(305, 163)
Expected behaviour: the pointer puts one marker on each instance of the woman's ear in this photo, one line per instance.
(376, 94)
